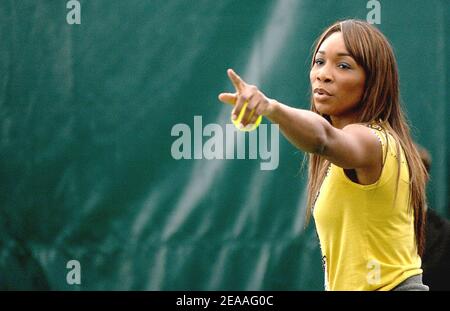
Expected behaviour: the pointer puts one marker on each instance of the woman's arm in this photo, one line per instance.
(305, 129)
(352, 147)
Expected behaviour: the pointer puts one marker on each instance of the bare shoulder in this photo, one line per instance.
(355, 146)
(361, 132)
(364, 138)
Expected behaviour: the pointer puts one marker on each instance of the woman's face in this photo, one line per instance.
(337, 81)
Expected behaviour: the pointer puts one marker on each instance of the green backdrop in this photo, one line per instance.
(86, 114)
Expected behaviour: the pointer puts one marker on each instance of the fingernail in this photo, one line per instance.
(249, 126)
(241, 126)
(234, 117)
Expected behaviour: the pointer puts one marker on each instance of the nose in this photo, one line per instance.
(323, 74)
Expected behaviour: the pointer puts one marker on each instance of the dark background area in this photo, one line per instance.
(86, 113)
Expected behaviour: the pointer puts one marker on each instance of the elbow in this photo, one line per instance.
(321, 139)
(320, 144)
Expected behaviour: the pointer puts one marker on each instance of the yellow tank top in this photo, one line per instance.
(367, 242)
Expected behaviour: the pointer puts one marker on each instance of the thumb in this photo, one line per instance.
(228, 98)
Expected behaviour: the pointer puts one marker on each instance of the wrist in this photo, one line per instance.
(273, 108)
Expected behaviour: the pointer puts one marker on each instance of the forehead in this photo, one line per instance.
(333, 44)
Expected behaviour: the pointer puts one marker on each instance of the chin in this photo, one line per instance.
(322, 108)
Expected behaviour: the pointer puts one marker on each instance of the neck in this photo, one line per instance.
(343, 120)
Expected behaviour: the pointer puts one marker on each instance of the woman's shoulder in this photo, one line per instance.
(386, 135)
(379, 129)
(388, 138)
(378, 125)
(382, 129)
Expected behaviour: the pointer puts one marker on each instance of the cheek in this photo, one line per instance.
(355, 89)
(359, 89)
(312, 75)
(361, 84)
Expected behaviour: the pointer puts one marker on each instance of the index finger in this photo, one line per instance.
(238, 83)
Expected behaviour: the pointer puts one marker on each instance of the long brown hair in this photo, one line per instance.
(380, 103)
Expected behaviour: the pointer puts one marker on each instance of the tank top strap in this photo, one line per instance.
(382, 136)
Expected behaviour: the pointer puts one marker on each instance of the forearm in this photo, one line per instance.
(303, 128)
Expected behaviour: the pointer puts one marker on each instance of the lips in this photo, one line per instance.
(321, 91)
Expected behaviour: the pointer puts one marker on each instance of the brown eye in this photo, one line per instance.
(344, 66)
(318, 62)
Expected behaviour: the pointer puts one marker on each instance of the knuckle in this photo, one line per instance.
(253, 88)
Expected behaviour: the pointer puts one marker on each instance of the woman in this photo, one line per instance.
(366, 187)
